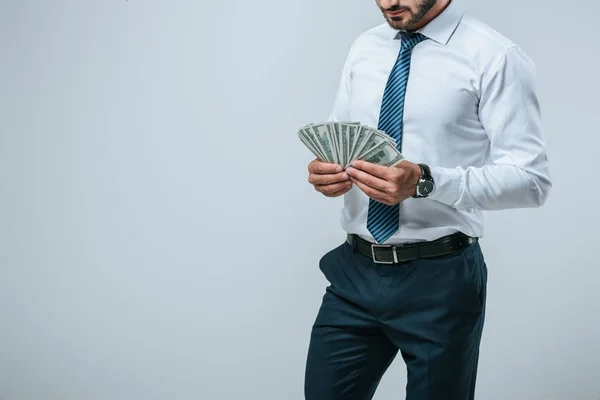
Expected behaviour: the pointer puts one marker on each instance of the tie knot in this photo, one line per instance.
(409, 40)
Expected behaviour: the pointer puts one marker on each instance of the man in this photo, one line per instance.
(460, 100)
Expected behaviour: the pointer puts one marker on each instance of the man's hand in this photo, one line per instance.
(387, 185)
(329, 179)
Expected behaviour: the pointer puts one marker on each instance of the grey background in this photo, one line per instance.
(159, 238)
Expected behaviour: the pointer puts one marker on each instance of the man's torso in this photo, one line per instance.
(441, 125)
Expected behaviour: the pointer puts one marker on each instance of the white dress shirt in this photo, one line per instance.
(471, 113)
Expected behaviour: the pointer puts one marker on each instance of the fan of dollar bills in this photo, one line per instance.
(343, 142)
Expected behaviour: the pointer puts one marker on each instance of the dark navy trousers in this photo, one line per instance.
(431, 310)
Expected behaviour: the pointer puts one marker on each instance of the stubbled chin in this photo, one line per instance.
(397, 24)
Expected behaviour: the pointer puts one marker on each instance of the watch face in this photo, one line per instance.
(425, 188)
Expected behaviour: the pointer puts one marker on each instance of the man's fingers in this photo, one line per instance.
(331, 189)
(368, 179)
(320, 167)
(371, 192)
(376, 170)
(328, 179)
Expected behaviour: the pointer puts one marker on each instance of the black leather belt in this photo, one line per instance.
(393, 254)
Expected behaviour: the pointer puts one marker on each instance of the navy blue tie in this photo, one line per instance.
(383, 220)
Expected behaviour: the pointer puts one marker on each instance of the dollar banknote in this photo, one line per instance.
(345, 141)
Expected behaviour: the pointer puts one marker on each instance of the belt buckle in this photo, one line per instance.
(384, 246)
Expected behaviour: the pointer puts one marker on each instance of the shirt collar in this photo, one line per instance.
(441, 28)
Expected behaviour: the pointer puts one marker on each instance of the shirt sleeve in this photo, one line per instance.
(517, 175)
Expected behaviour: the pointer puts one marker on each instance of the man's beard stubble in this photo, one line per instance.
(403, 24)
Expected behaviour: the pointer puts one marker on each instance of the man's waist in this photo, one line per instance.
(398, 253)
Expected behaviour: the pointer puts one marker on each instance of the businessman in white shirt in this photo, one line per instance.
(460, 99)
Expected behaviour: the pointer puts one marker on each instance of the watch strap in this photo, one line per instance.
(425, 172)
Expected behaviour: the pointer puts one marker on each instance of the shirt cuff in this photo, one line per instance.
(448, 185)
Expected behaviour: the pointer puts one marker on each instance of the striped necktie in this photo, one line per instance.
(383, 220)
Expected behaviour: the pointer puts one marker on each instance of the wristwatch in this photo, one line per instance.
(425, 185)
